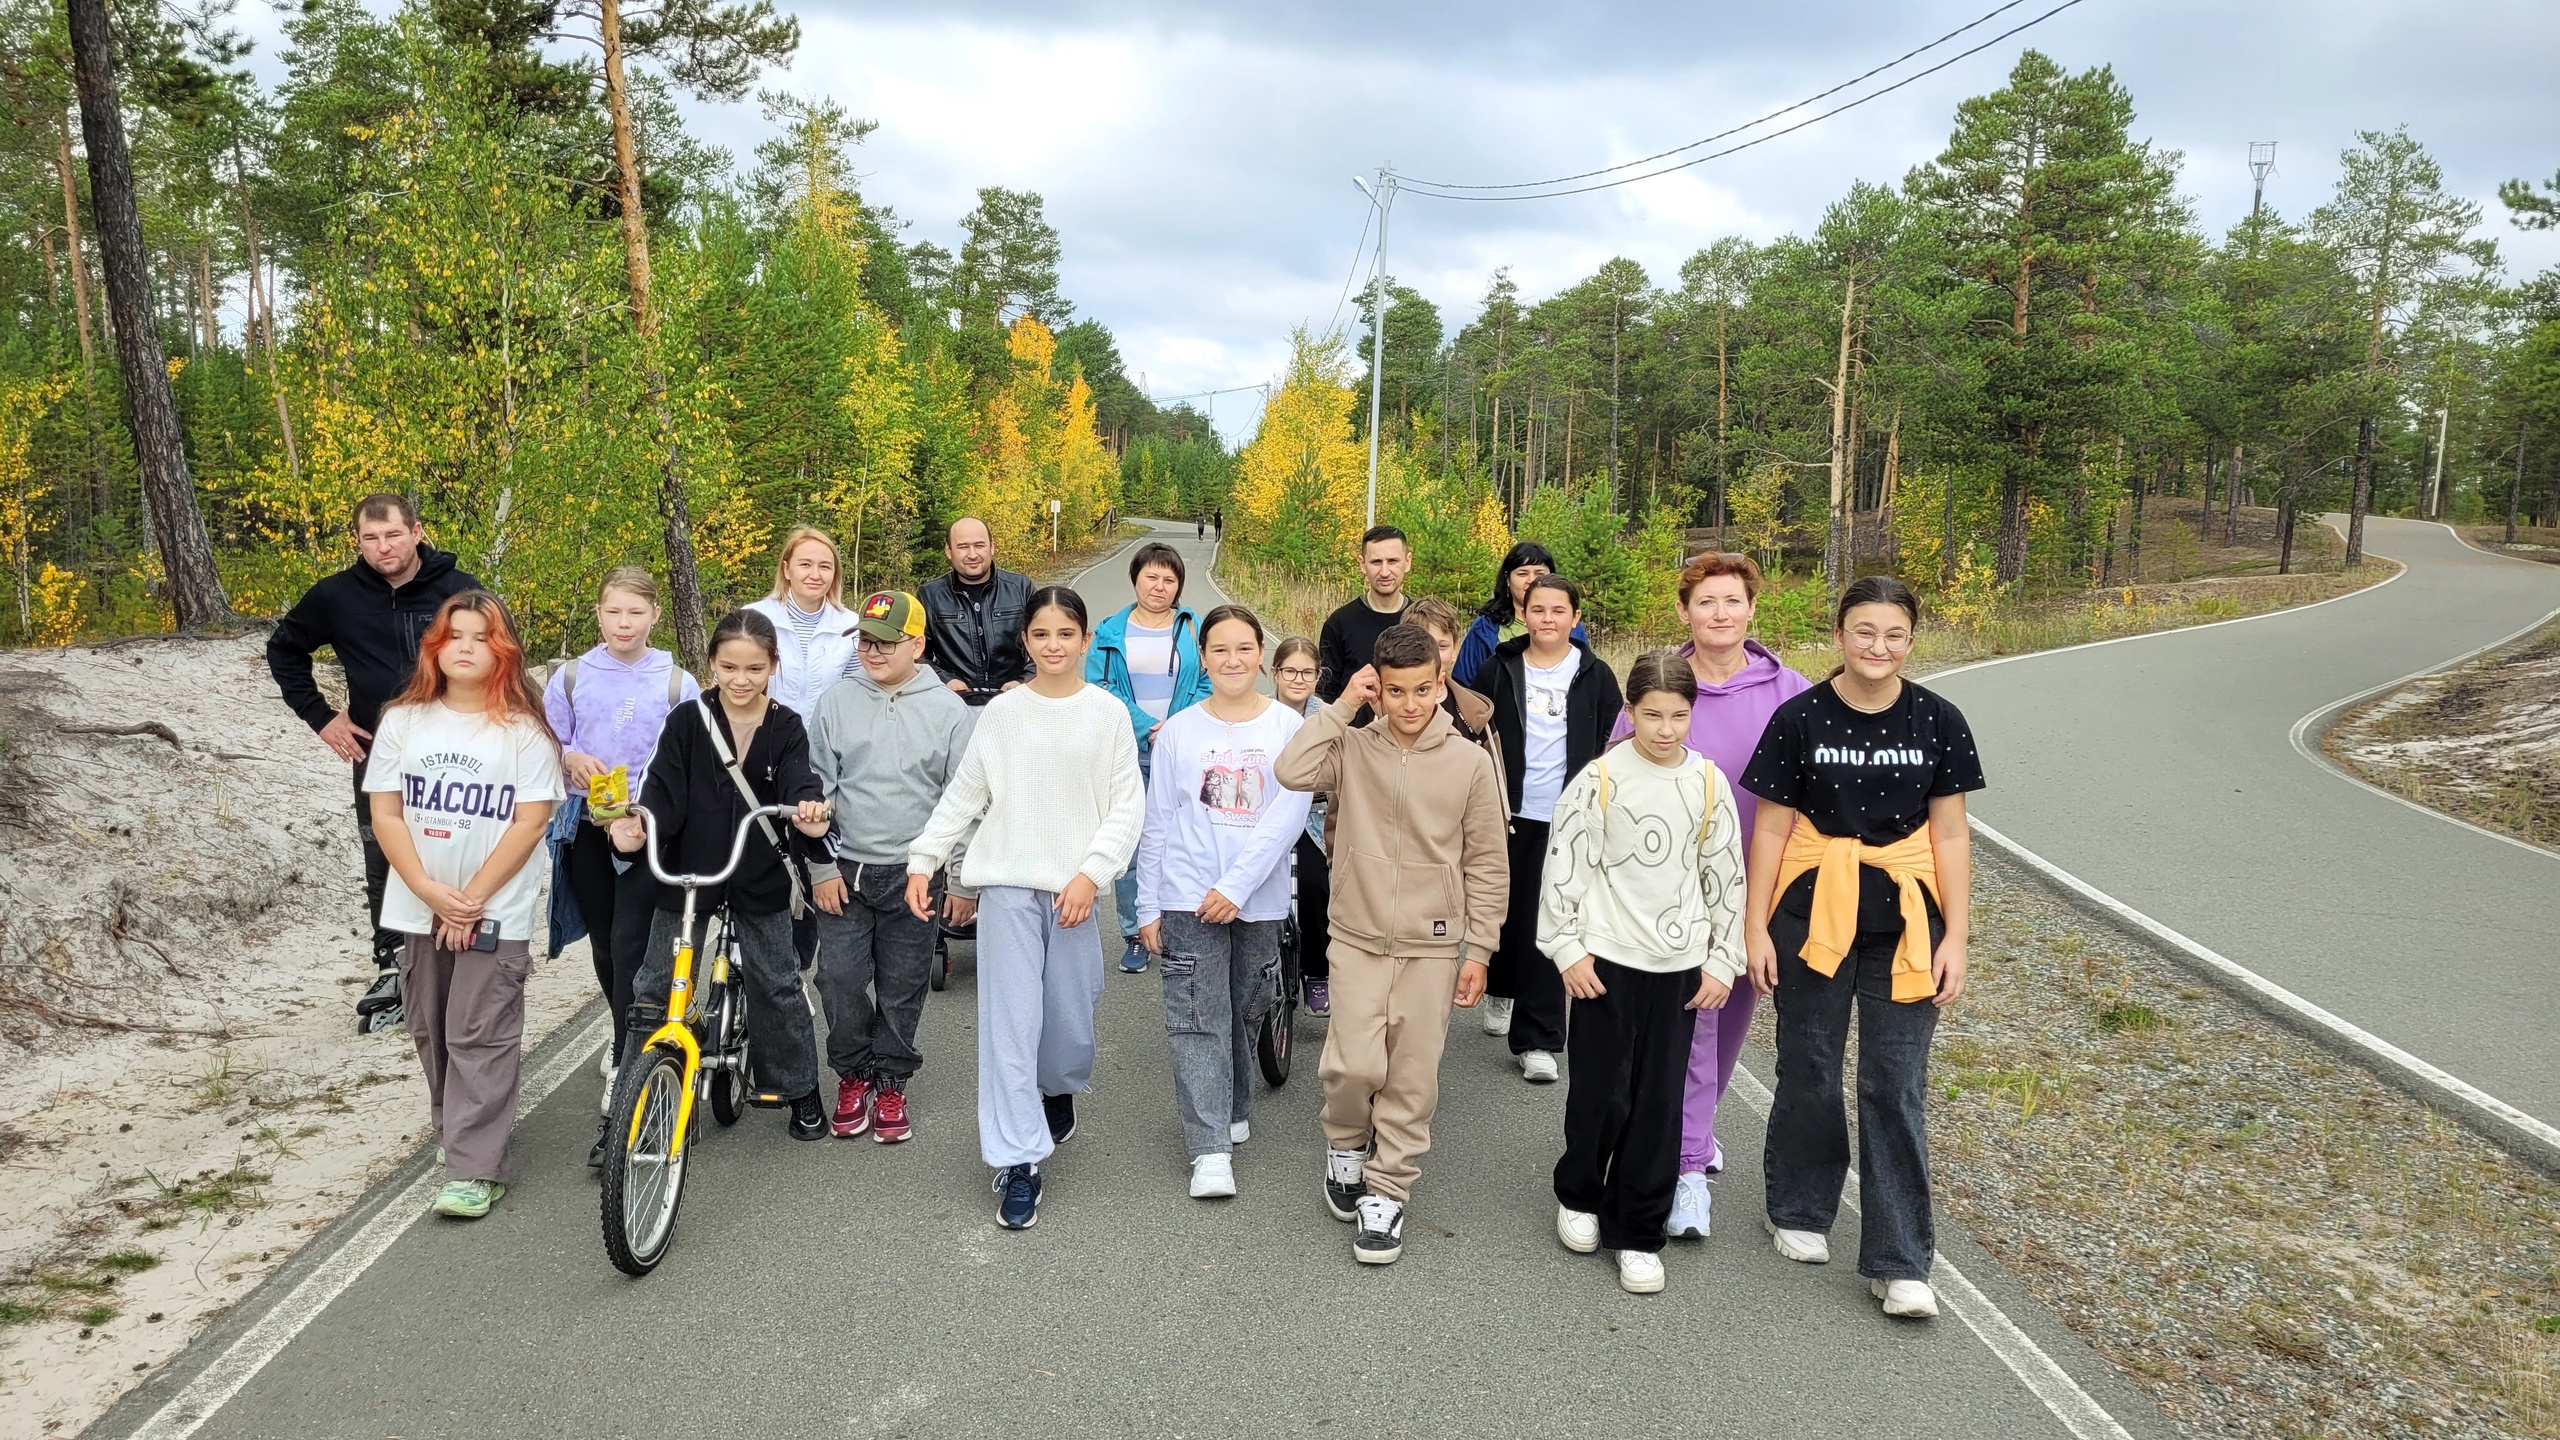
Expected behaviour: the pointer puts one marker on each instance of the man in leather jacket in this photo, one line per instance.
(973, 617)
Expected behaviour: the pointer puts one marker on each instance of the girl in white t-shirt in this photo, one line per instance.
(1213, 887)
(463, 775)
(1051, 781)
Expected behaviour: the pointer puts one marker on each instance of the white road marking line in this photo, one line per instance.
(228, 1373)
(2391, 1057)
(2077, 1409)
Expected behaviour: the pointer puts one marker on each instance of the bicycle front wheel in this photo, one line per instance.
(644, 1165)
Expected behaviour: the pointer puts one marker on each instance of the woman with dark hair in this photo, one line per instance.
(1050, 780)
(731, 734)
(1860, 897)
(1498, 619)
(1148, 657)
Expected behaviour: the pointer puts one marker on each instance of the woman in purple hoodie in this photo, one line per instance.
(1740, 683)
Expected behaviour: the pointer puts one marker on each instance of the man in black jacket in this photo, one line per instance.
(1554, 704)
(1351, 632)
(973, 617)
(373, 614)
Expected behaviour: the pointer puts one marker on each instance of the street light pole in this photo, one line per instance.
(1384, 197)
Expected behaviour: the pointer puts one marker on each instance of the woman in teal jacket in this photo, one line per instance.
(1148, 655)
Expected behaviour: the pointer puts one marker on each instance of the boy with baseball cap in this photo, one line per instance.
(884, 740)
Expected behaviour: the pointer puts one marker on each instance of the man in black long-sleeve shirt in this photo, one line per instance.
(373, 614)
(1351, 632)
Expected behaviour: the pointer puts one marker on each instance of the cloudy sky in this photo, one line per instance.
(1197, 159)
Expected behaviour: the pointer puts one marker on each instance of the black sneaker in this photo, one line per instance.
(1020, 1187)
(1381, 1237)
(808, 1118)
(595, 1155)
(1345, 1182)
(378, 1008)
(1062, 1117)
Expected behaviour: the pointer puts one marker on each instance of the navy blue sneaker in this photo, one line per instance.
(1133, 961)
(1061, 1110)
(1020, 1187)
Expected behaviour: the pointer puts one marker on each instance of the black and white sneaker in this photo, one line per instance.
(1345, 1182)
(1381, 1237)
(808, 1118)
(1061, 1110)
(379, 1008)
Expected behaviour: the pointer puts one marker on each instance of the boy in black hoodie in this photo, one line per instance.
(372, 614)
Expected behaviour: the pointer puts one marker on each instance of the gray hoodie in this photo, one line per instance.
(884, 759)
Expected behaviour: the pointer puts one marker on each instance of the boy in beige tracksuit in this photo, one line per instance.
(1421, 878)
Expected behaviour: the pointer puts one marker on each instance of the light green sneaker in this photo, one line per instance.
(468, 1199)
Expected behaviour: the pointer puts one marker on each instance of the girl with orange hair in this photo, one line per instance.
(463, 775)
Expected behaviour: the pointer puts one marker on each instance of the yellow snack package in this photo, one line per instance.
(609, 793)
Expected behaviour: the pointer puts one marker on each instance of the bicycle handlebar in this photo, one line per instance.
(737, 847)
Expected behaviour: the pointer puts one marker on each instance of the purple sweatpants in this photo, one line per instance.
(1714, 1048)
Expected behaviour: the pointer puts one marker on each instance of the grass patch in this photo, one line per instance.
(94, 1316)
(2123, 1017)
(19, 1312)
(128, 1262)
(207, 1195)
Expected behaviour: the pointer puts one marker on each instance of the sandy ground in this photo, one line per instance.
(181, 940)
(2480, 741)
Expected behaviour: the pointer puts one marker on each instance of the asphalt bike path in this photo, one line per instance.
(849, 1288)
(2181, 775)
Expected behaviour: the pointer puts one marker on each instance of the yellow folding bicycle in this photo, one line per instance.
(698, 1055)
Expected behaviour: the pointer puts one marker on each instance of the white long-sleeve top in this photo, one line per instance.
(1053, 787)
(1644, 868)
(1217, 818)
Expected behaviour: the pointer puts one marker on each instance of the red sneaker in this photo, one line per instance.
(853, 1108)
(889, 1113)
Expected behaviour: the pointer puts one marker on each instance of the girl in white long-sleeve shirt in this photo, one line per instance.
(1641, 908)
(1050, 779)
(1213, 887)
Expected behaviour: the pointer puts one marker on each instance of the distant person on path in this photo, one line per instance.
(1293, 683)
(1419, 886)
(1148, 658)
(1554, 703)
(1740, 685)
(1050, 779)
(973, 617)
(1641, 908)
(1498, 619)
(732, 750)
(373, 615)
(462, 779)
(1343, 644)
(1200, 526)
(607, 708)
(1219, 523)
(1861, 880)
(814, 630)
(885, 740)
(1213, 889)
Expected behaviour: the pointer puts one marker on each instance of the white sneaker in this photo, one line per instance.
(604, 1062)
(1639, 1272)
(611, 1074)
(1239, 1132)
(1805, 1247)
(1692, 1204)
(1213, 1177)
(1538, 1067)
(1908, 1299)
(1497, 1015)
(1578, 1229)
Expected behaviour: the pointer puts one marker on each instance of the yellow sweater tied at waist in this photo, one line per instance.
(1835, 859)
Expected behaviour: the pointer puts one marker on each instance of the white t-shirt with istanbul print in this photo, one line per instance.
(1216, 817)
(459, 779)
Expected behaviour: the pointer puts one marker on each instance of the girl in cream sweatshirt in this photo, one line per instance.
(1641, 908)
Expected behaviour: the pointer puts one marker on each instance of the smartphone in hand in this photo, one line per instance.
(487, 939)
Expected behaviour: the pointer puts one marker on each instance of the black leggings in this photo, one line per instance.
(1315, 897)
(616, 909)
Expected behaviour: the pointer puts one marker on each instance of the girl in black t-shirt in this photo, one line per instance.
(1860, 883)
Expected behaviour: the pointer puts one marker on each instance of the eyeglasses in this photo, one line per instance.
(1295, 672)
(1893, 641)
(877, 646)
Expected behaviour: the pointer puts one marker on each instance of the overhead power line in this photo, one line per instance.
(1442, 191)
(1368, 213)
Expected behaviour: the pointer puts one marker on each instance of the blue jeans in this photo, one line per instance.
(1219, 981)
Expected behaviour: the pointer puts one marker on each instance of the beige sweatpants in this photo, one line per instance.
(1381, 1065)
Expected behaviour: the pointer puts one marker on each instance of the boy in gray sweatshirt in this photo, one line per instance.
(884, 740)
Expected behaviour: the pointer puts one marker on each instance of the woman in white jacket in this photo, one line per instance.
(1050, 779)
(1213, 887)
(1641, 908)
(808, 614)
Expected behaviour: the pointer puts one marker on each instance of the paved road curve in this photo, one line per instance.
(2164, 771)
(846, 1288)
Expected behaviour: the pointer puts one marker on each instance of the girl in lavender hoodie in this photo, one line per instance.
(1740, 684)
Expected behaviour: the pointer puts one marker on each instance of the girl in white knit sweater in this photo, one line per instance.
(1050, 780)
(1641, 908)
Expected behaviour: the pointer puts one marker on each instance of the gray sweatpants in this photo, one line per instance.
(1038, 986)
(466, 1016)
(1219, 980)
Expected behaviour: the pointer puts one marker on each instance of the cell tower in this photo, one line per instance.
(2262, 163)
